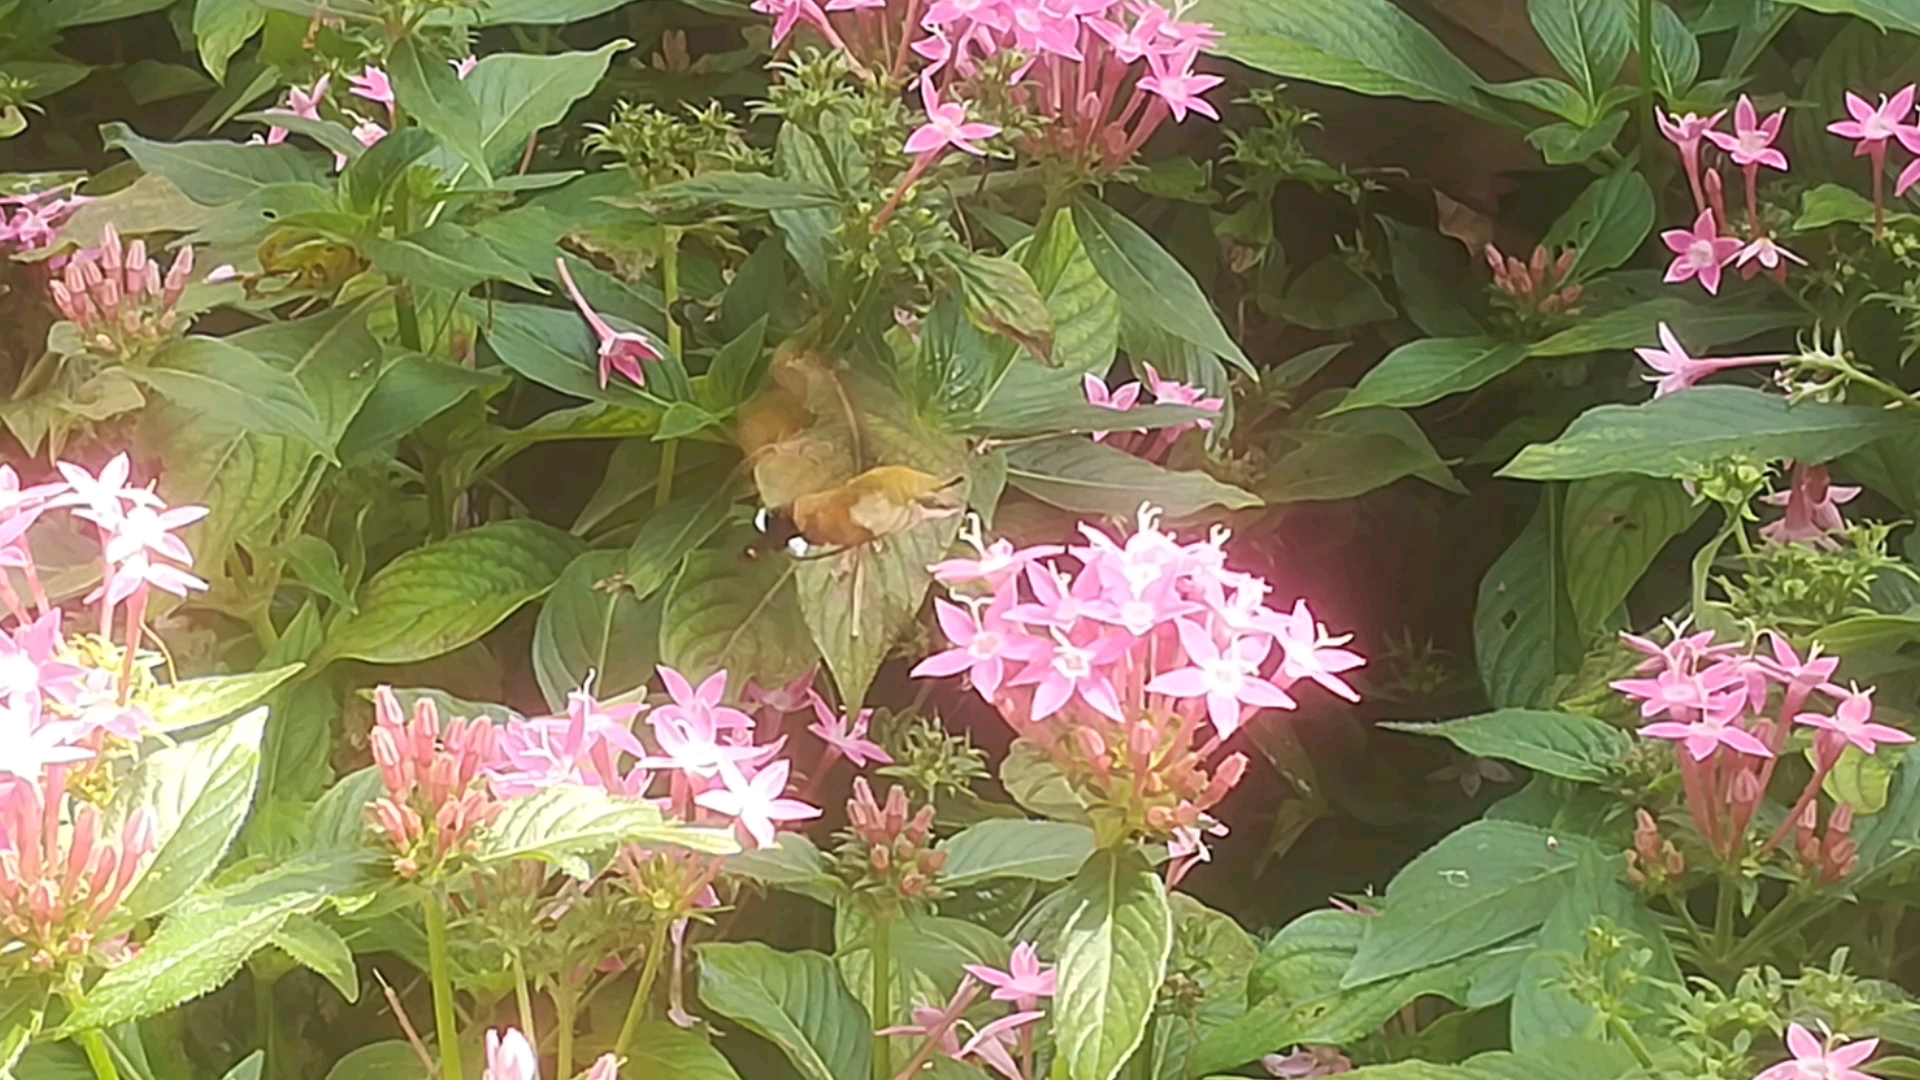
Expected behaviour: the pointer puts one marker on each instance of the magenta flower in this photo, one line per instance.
(1228, 678)
(1700, 252)
(373, 85)
(1067, 671)
(1307, 1063)
(1751, 143)
(302, 103)
(1169, 392)
(984, 644)
(1701, 737)
(1122, 400)
(1024, 982)
(1870, 128)
(788, 14)
(1798, 676)
(946, 126)
(756, 804)
(1677, 371)
(1813, 504)
(1853, 723)
(1685, 133)
(510, 1057)
(1175, 82)
(620, 350)
(849, 740)
(1812, 1060)
(1910, 138)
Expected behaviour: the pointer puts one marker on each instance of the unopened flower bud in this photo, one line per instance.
(1746, 788)
(1537, 269)
(1564, 265)
(880, 859)
(933, 862)
(1142, 740)
(1840, 822)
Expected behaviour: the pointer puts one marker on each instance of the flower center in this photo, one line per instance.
(1701, 253)
(985, 644)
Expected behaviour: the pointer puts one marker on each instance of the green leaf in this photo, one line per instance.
(1543, 1011)
(1436, 283)
(412, 391)
(1608, 222)
(337, 821)
(1427, 370)
(444, 256)
(1885, 14)
(216, 377)
(1001, 298)
(372, 171)
(60, 14)
(1612, 527)
(565, 823)
(192, 702)
(1150, 282)
(742, 616)
(1481, 885)
(859, 604)
(435, 599)
(221, 27)
(392, 1059)
(1559, 744)
(1831, 204)
(667, 1050)
(1699, 327)
(1590, 39)
(593, 626)
(797, 1001)
(1523, 627)
(1113, 955)
(1572, 144)
(554, 348)
(1676, 53)
(322, 950)
(1368, 46)
(1087, 477)
(191, 954)
(1893, 834)
(794, 864)
(671, 532)
(542, 12)
(1014, 848)
(1332, 295)
(1085, 311)
(199, 793)
(1673, 435)
(732, 373)
(709, 192)
(518, 94)
(1550, 96)
(1033, 780)
(213, 173)
(1345, 456)
(428, 91)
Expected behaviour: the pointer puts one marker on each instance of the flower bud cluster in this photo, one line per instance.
(1828, 858)
(1654, 861)
(436, 795)
(888, 850)
(63, 871)
(1537, 288)
(119, 298)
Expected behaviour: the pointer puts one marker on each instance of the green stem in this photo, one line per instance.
(523, 999)
(1703, 561)
(1723, 918)
(1632, 1039)
(649, 971)
(882, 994)
(676, 338)
(1646, 90)
(445, 1025)
(263, 1019)
(98, 1055)
(566, 1001)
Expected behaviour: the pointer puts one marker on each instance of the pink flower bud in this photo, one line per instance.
(1142, 740)
(176, 282)
(1840, 823)
(110, 250)
(607, 1068)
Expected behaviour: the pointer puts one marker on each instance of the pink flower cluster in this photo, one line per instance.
(62, 876)
(436, 798)
(36, 218)
(1703, 251)
(511, 1056)
(118, 297)
(1812, 503)
(1538, 287)
(996, 1043)
(1147, 443)
(1718, 704)
(1118, 666)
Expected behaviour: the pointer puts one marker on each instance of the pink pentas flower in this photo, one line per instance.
(1307, 1063)
(620, 350)
(104, 499)
(1812, 502)
(1681, 692)
(1766, 252)
(1853, 723)
(847, 738)
(984, 645)
(511, 1057)
(1025, 981)
(1176, 83)
(993, 1044)
(31, 671)
(1815, 1060)
(1752, 140)
(464, 66)
(1188, 848)
(1227, 677)
(1871, 126)
(304, 104)
(1171, 392)
(1064, 671)
(788, 14)
(1310, 652)
(145, 529)
(137, 572)
(756, 804)
(1676, 371)
(996, 563)
(946, 126)
(1699, 252)
(1136, 42)
(373, 85)
(1710, 731)
(1121, 400)
(1798, 676)
(781, 700)
(28, 745)
(1138, 611)
(1910, 138)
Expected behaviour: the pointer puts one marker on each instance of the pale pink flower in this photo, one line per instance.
(781, 700)
(105, 499)
(301, 103)
(984, 644)
(997, 562)
(1678, 371)
(1313, 653)
(511, 1057)
(848, 739)
(1188, 848)
(1910, 138)
(1066, 671)
(1813, 504)
(1132, 43)
(756, 804)
(1170, 392)
(464, 66)
(1682, 692)
(946, 126)
(1768, 252)
(606, 1068)
(1058, 603)
(1872, 126)
(373, 85)
(137, 572)
(1853, 723)
(701, 705)
(1813, 1060)
(620, 350)
(1175, 82)
(144, 529)
(223, 273)
(1752, 140)
(1699, 252)
(994, 1043)
(1229, 678)
(789, 13)
(30, 668)
(1121, 400)
(366, 133)
(1710, 728)
(1798, 676)
(1307, 1063)
(1025, 981)
(28, 747)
